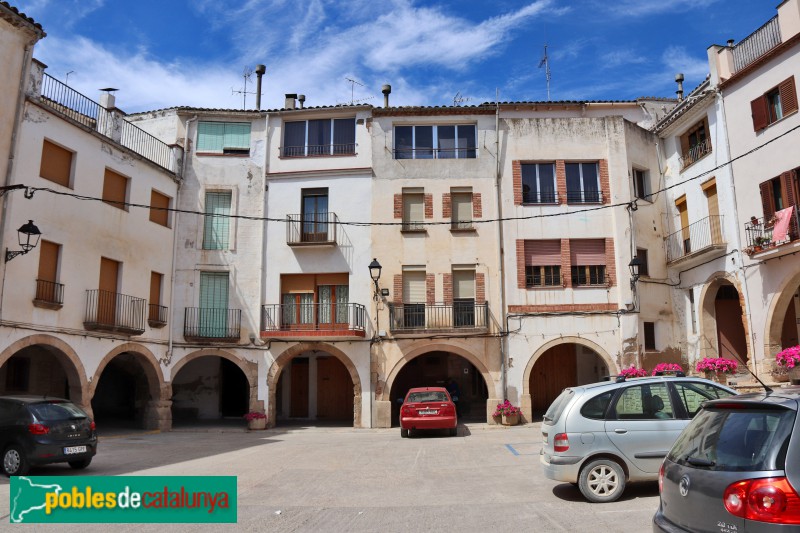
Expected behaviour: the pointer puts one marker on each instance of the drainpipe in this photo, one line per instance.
(176, 225)
(500, 251)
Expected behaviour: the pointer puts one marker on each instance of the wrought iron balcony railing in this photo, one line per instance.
(334, 318)
(157, 316)
(110, 311)
(422, 317)
(216, 325)
(435, 153)
(695, 153)
(313, 150)
(549, 197)
(312, 228)
(584, 197)
(701, 235)
(49, 293)
(760, 233)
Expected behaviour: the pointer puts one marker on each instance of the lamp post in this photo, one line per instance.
(375, 274)
(635, 265)
(28, 239)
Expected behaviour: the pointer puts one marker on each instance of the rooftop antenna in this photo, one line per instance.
(545, 62)
(66, 81)
(458, 99)
(353, 84)
(246, 74)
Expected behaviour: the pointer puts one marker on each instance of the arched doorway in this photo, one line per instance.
(314, 386)
(561, 366)
(126, 389)
(41, 369)
(790, 325)
(209, 388)
(731, 339)
(436, 369)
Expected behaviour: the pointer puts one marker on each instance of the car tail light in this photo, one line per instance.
(407, 410)
(38, 429)
(92, 425)
(561, 442)
(661, 479)
(769, 499)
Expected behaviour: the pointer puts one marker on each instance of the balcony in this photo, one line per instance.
(435, 153)
(313, 320)
(118, 313)
(438, 317)
(49, 295)
(702, 238)
(756, 44)
(695, 153)
(157, 316)
(535, 198)
(312, 229)
(584, 197)
(761, 242)
(319, 150)
(212, 325)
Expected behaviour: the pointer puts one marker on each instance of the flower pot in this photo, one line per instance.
(510, 420)
(794, 375)
(257, 423)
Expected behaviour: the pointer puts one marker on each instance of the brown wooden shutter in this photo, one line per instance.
(685, 145)
(760, 113)
(787, 189)
(160, 215)
(586, 252)
(543, 253)
(48, 261)
(767, 201)
(56, 164)
(516, 176)
(788, 96)
(155, 288)
(114, 188)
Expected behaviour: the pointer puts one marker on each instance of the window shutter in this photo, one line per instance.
(413, 208)
(160, 215)
(462, 207)
(788, 96)
(767, 201)
(414, 287)
(587, 252)
(464, 284)
(114, 188)
(155, 288)
(56, 164)
(760, 113)
(787, 189)
(210, 136)
(213, 290)
(237, 135)
(543, 253)
(48, 261)
(217, 228)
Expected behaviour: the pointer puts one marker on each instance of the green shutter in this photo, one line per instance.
(216, 230)
(237, 135)
(210, 136)
(213, 304)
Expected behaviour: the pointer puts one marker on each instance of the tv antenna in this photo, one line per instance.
(458, 99)
(353, 84)
(545, 62)
(246, 74)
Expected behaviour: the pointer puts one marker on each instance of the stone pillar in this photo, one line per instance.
(383, 414)
(526, 404)
(491, 405)
(158, 415)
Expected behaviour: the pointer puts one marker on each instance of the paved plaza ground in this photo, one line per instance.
(488, 478)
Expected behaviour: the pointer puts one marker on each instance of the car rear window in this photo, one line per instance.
(736, 440)
(557, 407)
(427, 396)
(596, 407)
(53, 411)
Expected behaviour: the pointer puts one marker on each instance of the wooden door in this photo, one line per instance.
(555, 370)
(107, 295)
(334, 390)
(299, 404)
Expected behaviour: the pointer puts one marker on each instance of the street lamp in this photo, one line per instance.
(635, 265)
(375, 274)
(28, 239)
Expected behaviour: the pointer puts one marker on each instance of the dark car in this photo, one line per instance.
(736, 467)
(36, 430)
(428, 408)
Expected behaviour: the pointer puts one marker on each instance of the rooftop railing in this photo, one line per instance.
(756, 44)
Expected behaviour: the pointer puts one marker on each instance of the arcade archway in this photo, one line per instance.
(127, 390)
(561, 366)
(209, 388)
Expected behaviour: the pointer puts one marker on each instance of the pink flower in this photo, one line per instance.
(718, 365)
(506, 408)
(789, 357)
(633, 372)
(667, 367)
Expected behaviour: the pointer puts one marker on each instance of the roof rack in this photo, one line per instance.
(662, 373)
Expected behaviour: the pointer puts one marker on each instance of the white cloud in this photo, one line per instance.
(67, 12)
(640, 8)
(679, 60)
(616, 58)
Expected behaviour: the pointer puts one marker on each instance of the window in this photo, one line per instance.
(47, 287)
(539, 183)
(414, 297)
(115, 189)
(326, 136)
(159, 208)
(693, 394)
(683, 215)
(216, 227)
(775, 104)
(695, 143)
(229, 138)
(645, 402)
(213, 304)
(315, 215)
(650, 336)
(596, 407)
(56, 164)
(588, 261)
(413, 210)
(333, 308)
(461, 209)
(641, 184)
(641, 253)
(543, 264)
(463, 298)
(583, 184)
(107, 291)
(155, 314)
(435, 142)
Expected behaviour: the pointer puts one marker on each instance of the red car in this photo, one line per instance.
(428, 408)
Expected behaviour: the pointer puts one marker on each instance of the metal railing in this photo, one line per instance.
(695, 153)
(86, 111)
(462, 225)
(704, 233)
(311, 228)
(412, 225)
(313, 317)
(459, 314)
(435, 153)
(112, 311)
(759, 232)
(584, 197)
(157, 315)
(757, 44)
(223, 325)
(312, 150)
(49, 292)
(540, 197)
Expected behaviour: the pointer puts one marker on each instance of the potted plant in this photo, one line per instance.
(507, 413)
(761, 242)
(667, 368)
(256, 420)
(717, 368)
(789, 359)
(632, 372)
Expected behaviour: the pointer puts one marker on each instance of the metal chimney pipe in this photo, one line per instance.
(260, 70)
(302, 99)
(730, 43)
(679, 80)
(386, 90)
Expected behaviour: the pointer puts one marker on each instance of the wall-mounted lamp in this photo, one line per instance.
(375, 273)
(28, 239)
(635, 265)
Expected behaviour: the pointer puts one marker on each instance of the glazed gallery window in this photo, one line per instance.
(320, 137)
(435, 142)
(583, 183)
(228, 138)
(539, 183)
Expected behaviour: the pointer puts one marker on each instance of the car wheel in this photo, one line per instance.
(14, 461)
(602, 481)
(80, 464)
(404, 433)
(453, 432)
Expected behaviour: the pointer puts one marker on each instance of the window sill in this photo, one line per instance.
(472, 229)
(544, 287)
(44, 304)
(784, 117)
(587, 286)
(412, 231)
(534, 204)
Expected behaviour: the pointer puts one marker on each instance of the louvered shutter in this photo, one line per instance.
(464, 284)
(787, 189)
(760, 113)
(767, 201)
(237, 135)
(788, 96)
(543, 253)
(587, 252)
(414, 287)
(413, 210)
(210, 136)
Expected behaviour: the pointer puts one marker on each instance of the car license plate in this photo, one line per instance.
(69, 450)
(428, 412)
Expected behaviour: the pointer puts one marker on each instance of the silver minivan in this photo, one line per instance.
(604, 435)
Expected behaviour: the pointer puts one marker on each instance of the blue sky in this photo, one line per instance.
(173, 52)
